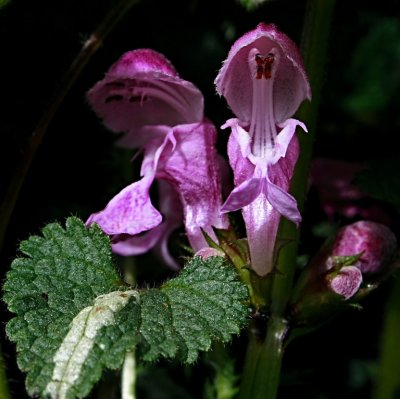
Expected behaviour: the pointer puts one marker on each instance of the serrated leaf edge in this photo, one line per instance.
(77, 344)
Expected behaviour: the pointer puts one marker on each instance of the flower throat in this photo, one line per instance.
(262, 125)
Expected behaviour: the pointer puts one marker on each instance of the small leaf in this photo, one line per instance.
(205, 302)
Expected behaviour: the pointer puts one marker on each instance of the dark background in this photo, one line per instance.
(77, 169)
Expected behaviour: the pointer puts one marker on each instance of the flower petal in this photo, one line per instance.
(127, 245)
(285, 137)
(138, 137)
(291, 85)
(243, 195)
(347, 282)
(283, 202)
(143, 88)
(242, 136)
(130, 211)
(156, 238)
(193, 170)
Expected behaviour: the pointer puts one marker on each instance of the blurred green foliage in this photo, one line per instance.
(252, 4)
(3, 3)
(381, 180)
(374, 71)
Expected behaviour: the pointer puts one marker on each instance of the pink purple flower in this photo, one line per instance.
(143, 97)
(264, 82)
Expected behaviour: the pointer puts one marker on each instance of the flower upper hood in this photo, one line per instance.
(290, 86)
(142, 88)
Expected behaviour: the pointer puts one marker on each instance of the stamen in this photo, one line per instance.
(262, 129)
(260, 66)
(264, 65)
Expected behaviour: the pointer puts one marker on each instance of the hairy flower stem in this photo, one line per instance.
(89, 48)
(263, 362)
(262, 369)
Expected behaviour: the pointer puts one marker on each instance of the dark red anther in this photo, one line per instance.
(268, 60)
(260, 67)
(264, 65)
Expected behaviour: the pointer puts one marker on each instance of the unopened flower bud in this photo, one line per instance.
(375, 243)
(359, 257)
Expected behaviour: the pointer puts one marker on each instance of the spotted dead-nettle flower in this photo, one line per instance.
(161, 114)
(264, 82)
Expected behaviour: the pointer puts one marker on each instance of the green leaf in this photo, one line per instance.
(205, 302)
(74, 318)
(64, 272)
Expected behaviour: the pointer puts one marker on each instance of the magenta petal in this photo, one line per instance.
(285, 137)
(171, 208)
(138, 244)
(283, 202)
(243, 195)
(241, 135)
(156, 238)
(142, 88)
(192, 168)
(142, 61)
(347, 282)
(291, 85)
(129, 212)
(138, 137)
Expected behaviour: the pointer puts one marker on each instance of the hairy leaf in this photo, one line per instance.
(74, 317)
(205, 302)
(63, 272)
